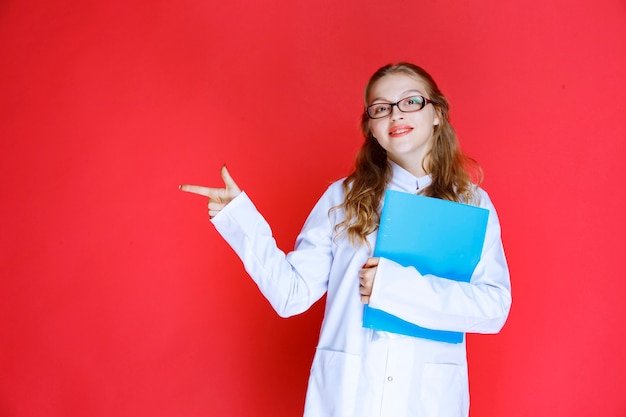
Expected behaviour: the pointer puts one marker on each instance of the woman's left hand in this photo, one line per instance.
(366, 279)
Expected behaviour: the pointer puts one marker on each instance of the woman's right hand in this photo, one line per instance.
(218, 197)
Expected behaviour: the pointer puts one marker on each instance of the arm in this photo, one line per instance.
(291, 283)
(480, 306)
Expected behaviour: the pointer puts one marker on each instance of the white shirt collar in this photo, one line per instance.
(403, 180)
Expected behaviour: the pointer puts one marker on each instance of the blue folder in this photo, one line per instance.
(437, 237)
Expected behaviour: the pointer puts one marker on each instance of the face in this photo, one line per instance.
(407, 137)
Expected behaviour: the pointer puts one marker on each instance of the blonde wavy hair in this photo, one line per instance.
(452, 172)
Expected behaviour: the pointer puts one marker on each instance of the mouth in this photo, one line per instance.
(400, 130)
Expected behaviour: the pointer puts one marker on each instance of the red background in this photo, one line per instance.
(118, 298)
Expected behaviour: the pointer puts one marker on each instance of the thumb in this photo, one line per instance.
(371, 262)
(228, 180)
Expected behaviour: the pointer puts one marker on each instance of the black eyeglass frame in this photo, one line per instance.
(425, 102)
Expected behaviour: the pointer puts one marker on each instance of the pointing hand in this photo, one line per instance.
(218, 197)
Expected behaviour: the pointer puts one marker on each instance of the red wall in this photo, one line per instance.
(117, 297)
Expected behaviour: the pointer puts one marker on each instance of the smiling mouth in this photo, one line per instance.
(400, 131)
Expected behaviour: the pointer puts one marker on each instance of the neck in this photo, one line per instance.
(411, 166)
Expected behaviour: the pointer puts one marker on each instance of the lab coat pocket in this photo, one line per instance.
(333, 384)
(444, 391)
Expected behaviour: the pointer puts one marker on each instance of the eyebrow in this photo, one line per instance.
(403, 95)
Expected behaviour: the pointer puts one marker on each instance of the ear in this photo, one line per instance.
(437, 117)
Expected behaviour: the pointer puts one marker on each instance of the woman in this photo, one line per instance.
(409, 146)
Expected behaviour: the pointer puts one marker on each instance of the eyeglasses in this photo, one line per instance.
(406, 105)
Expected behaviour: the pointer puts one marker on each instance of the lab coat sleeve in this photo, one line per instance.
(293, 282)
(480, 306)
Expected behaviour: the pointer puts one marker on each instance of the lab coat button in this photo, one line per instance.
(389, 378)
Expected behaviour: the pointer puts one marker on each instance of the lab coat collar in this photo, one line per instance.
(403, 180)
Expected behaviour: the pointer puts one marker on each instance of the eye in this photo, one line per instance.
(414, 101)
(381, 108)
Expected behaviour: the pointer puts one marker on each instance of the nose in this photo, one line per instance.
(396, 113)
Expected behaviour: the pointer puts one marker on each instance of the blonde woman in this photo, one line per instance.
(410, 146)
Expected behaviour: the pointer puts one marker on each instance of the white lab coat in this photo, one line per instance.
(359, 372)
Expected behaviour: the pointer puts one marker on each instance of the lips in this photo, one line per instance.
(399, 130)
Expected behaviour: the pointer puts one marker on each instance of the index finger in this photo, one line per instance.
(200, 190)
